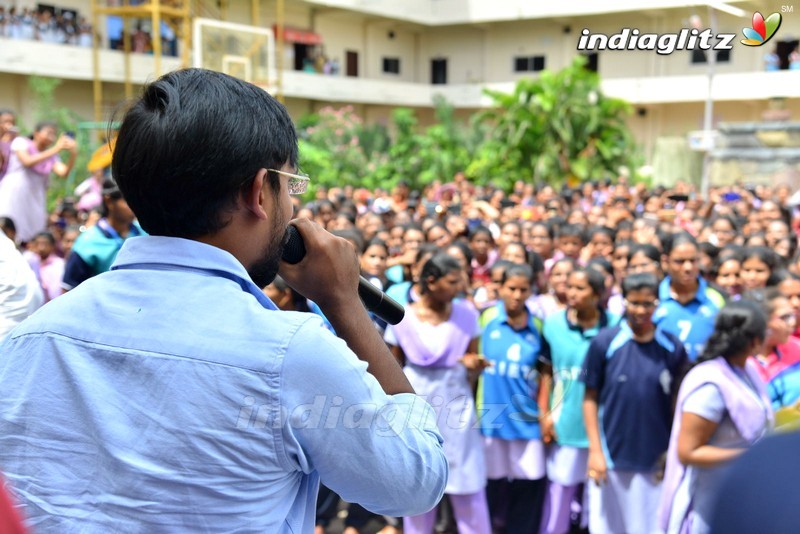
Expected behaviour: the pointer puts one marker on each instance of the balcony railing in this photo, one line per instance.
(72, 62)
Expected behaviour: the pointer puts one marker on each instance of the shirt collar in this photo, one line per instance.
(602, 323)
(177, 254)
(503, 316)
(664, 292)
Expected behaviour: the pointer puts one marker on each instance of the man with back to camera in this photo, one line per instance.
(169, 394)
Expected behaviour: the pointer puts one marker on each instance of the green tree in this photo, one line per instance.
(337, 149)
(555, 128)
(436, 153)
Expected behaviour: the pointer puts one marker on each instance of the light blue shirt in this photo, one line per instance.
(170, 395)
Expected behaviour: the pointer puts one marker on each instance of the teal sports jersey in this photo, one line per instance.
(508, 389)
(566, 345)
(94, 251)
(692, 322)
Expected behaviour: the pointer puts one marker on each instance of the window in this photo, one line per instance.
(438, 71)
(391, 65)
(528, 63)
(699, 56)
(591, 61)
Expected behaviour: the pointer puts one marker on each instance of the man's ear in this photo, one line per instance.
(255, 197)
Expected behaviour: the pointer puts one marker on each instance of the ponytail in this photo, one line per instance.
(738, 324)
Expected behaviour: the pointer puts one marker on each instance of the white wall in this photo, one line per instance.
(341, 33)
(379, 45)
(523, 38)
(463, 47)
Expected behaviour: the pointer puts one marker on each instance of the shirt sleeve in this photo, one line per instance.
(707, 402)
(544, 354)
(594, 364)
(381, 451)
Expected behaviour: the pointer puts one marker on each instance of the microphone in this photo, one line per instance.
(373, 298)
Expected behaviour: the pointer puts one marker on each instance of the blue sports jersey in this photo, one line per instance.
(784, 388)
(508, 389)
(565, 349)
(692, 322)
(636, 383)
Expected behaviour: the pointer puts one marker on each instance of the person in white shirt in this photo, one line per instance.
(20, 293)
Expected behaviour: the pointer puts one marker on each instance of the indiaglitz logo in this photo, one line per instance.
(663, 43)
(762, 30)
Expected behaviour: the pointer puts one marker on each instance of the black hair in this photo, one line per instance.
(730, 252)
(676, 239)
(437, 224)
(639, 282)
(319, 204)
(758, 235)
(626, 244)
(480, 229)
(602, 263)
(624, 224)
(464, 248)
(765, 255)
(781, 275)
(425, 249)
(521, 245)
(347, 214)
(721, 260)
(518, 269)
(765, 298)
(709, 249)
(353, 235)
(46, 235)
(512, 223)
(649, 251)
(549, 227)
(439, 265)
(554, 223)
(596, 279)
(737, 325)
(572, 230)
(597, 229)
(45, 124)
(536, 262)
(7, 224)
(300, 302)
(375, 242)
(565, 259)
(502, 265)
(168, 161)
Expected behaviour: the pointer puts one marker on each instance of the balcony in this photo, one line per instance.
(75, 63)
(638, 91)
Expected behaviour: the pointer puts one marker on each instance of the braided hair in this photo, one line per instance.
(737, 325)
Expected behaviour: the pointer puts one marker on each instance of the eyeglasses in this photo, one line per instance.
(298, 183)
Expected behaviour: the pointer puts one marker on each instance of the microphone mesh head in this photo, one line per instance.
(293, 249)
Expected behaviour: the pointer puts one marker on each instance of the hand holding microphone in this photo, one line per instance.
(322, 287)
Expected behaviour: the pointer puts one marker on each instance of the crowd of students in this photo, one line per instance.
(550, 329)
(63, 27)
